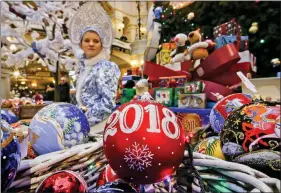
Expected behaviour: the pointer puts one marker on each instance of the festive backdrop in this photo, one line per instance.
(264, 38)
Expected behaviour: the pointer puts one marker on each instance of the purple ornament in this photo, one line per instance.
(10, 155)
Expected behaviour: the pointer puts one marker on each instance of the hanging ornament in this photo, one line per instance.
(10, 155)
(190, 16)
(114, 187)
(254, 28)
(143, 142)
(158, 12)
(63, 181)
(224, 107)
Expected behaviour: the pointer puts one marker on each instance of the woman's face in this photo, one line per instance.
(91, 44)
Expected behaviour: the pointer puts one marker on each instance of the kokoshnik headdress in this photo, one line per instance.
(91, 17)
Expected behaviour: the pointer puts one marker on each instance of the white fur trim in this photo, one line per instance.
(197, 45)
(88, 66)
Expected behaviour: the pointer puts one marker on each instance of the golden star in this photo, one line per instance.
(237, 121)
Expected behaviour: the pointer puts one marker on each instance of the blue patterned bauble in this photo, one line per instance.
(58, 126)
(224, 107)
(10, 155)
(158, 12)
(9, 116)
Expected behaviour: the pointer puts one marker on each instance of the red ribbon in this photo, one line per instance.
(219, 64)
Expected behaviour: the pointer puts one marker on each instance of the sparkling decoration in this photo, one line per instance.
(158, 12)
(58, 126)
(114, 187)
(224, 107)
(106, 175)
(190, 16)
(210, 146)
(8, 116)
(140, 138)
(254, 28)
(63, 181)
(10, 155)
(252, 127)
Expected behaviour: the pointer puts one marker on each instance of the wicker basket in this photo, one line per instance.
(28, 111)
(197, 173)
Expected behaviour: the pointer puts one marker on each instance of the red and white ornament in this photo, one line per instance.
(143, 142)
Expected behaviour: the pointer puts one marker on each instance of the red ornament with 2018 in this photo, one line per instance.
(143, 142)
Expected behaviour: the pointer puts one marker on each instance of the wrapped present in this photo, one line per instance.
(247, 64)
(164, 81)
(241, 42)
(228, 28)
(180, 80)
(164, 96)
(163, 57)
(192, 100)
(127, 95)
(179, 90)
(130, 77)
(193, 87)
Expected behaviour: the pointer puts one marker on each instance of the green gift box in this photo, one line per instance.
(179, 90)
(193, 87)
(164, 96)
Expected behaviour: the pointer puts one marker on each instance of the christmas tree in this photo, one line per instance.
(264, 44)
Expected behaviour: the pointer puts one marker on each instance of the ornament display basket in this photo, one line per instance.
(28, 111)
(206, 174)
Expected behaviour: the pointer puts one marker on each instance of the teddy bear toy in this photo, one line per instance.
(198, 49)
(178, 54)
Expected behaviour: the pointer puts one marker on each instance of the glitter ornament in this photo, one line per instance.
(143, 142)
(114, 187)
(10, 155)
(58, 126)
(63, 181)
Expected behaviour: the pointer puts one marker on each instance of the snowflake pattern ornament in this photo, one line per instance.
(139, 157)
(140, 137)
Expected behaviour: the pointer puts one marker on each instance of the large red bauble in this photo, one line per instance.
(143, 142)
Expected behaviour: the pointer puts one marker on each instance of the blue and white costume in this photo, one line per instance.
(96, 88)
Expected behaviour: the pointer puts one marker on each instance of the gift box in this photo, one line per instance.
(169, 46)
(180, 80)
(192, 118)
(247, 64)
(179, 90)
(193, 87)
(164, 81)
(192, 100)
(241, 42)
(130, 77)
(228, 28)
(127, 95)
(164, 96)
(164, 57)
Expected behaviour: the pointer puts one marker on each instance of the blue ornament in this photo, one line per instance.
(58, 126)
(10, 155)
(158, 12)
(8, 116)
(114, 187)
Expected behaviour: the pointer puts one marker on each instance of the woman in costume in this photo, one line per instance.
(97, 77)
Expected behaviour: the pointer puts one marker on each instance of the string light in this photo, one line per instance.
(192, 24)
(262, 41)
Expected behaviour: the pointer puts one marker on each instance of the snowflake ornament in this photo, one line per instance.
(138, 157)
